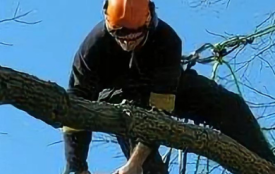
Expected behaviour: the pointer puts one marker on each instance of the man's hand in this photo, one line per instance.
(130, 168)
(134, 164)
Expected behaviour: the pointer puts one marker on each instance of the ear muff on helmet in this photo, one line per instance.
(154, 21)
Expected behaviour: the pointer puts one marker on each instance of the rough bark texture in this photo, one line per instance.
(50, 103)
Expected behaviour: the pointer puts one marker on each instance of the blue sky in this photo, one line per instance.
(46, 50)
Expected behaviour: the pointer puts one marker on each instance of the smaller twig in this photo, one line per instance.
(216, 34)
(268, 128)
(214, 168)
(197, 164)
(54, 143)
(267, 19)
(6, 44)
(185, 161)
(207, 166)
(17, 17)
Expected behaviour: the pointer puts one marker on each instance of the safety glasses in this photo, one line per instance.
(126, 33)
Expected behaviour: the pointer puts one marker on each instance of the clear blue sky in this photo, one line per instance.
(46, 50)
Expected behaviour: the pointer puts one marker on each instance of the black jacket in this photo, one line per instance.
(100, 63)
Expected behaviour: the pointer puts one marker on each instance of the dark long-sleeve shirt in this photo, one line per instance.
(100, 63)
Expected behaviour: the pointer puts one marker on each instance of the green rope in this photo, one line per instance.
(215, 70)
(220, 52)
(238, 40)
(234, 77)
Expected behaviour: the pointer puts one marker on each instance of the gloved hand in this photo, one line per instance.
(163, 101)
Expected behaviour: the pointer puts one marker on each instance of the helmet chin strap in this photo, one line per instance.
(145, 39)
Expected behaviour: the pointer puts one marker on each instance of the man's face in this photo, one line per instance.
(131, 41)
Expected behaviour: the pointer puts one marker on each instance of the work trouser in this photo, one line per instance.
(202, 100)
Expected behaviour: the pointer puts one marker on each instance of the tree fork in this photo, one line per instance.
(50, 103)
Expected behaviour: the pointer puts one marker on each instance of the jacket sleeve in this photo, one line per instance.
(167, 70)
(84, 78)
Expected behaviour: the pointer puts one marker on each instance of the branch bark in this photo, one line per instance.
(47, 101)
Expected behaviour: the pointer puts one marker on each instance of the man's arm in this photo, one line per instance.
(139, 154)
(84, 81)
(167, 71)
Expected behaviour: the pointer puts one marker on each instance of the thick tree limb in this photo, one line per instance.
(50, 103)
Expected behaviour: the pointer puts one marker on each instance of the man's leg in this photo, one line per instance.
(76, 150)
(201, 99)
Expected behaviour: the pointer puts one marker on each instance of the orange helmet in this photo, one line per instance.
(130, 14)
(128, 21)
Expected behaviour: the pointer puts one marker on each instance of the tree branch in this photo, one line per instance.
(50, 103)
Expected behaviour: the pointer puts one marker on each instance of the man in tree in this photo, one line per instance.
(134, 55)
